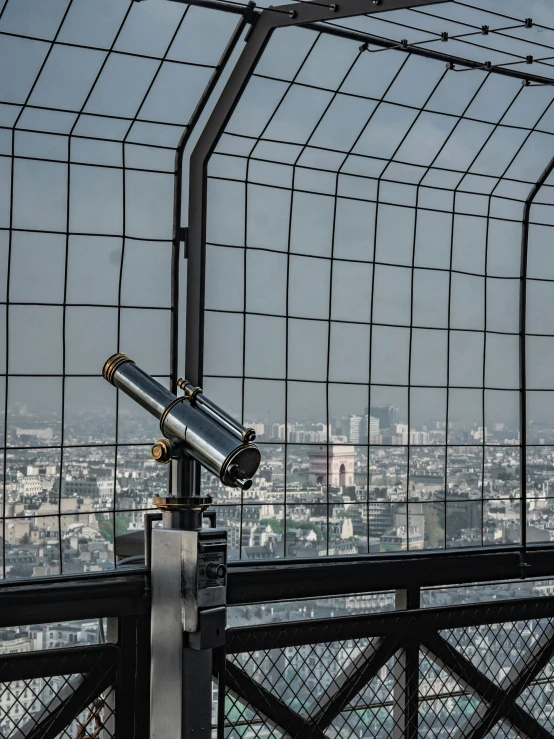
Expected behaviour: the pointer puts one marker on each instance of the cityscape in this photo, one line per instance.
(362, 483)
(367, 482)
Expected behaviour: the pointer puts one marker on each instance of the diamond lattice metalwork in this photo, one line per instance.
(241, 720)
(26, 705)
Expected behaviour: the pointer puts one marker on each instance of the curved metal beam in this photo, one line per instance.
(295, 14)
(523, 342)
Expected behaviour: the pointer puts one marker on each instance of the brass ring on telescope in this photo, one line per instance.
(193, 393)
(190, 391)
(112, 364)
(169, 408)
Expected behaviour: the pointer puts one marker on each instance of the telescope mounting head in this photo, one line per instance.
(193, 426)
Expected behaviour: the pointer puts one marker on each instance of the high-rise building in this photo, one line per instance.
(387, 415)
(355, 429)
(374, 425)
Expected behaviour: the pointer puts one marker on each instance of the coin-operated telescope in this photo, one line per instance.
(188, 562)
(192, 424)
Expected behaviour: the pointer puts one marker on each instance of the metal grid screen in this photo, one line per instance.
(67, 694)
(377, 234)
(95, 99)
(340, 679)
(364, 280)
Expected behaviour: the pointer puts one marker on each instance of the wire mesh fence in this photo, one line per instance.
(25, 704)
(472, 672)
(373, 231)
(371, 307)
(65, 694)
(98, 102)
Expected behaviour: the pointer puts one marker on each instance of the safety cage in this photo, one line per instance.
(334, 219)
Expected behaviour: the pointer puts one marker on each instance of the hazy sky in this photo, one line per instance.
(330, 136)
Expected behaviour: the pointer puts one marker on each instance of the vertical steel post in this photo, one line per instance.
(180, 704)
(523, 343)
(188, 576)
(406, 675)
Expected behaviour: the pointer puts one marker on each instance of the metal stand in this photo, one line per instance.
(188, 570)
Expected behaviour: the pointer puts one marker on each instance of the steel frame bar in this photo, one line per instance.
(133, 676)
(124, 666)
(443, 654)
(128, 594)
(428, 53)
(178, 191)
(215, 5)
(95, 683)
(346, 686)
(268, 21)
(531, 662)
(25, 665)
(406, 671)
(354, 678)
(179, 473)
(268, 705)
(48, 713)
(523, 340)
(271, 581)
(414, 623)
(98, 664)
(64, 598)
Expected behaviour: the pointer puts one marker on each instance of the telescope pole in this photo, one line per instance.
(188, 563)
(188, 576)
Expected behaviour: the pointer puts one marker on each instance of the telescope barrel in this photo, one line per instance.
(200, 435)
(197, 398)
(124, 374)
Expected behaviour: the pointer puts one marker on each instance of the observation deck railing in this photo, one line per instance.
(472, 670)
